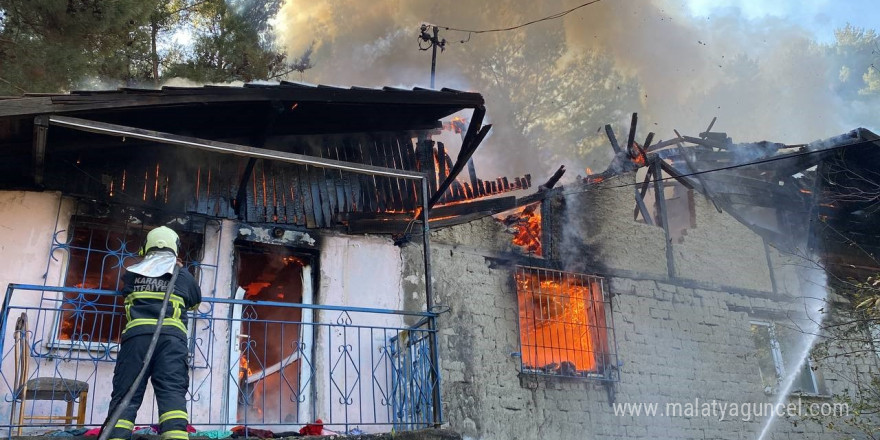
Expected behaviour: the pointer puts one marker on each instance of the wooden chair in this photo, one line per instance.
(43, 388)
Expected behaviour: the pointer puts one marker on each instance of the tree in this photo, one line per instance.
(50, 46)
(556, 97)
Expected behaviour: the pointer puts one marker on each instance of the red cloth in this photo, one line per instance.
(93, 432)
(313, 428)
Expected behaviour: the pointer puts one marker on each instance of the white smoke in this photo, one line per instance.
(763, 77)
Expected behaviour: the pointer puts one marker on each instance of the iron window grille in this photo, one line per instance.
(98, 250)
(566, 324)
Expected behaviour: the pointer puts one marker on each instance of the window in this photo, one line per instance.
(564, 325)
(775, 352)
(98, 252)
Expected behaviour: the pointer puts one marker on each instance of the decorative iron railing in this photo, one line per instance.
(350, 367)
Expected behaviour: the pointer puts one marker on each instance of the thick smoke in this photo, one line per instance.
(763, 78)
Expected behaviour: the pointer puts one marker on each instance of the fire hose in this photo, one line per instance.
(117, 412)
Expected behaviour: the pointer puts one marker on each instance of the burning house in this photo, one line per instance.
(358, 270)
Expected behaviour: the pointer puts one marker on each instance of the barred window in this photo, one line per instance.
(565, 324)
(98, 252)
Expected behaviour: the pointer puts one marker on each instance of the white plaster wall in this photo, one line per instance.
(27, 223)
(358, 272)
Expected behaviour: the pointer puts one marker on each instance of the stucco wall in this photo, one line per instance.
(723, 251)
(356, 272)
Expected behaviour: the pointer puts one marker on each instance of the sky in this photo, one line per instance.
(820, 17)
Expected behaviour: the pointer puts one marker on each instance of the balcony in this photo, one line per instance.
(261, 364)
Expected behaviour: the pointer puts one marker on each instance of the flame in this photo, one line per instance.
(457, 124)
(589, 171)
(805, 191)
(244, 369)
(562, 322)
(526, 226)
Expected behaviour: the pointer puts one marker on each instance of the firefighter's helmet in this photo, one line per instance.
(162, 237)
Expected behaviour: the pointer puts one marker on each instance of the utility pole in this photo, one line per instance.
(434, 42)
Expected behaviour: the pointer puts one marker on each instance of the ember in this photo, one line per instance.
(526, 227)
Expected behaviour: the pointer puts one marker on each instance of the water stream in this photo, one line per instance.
(814, 294)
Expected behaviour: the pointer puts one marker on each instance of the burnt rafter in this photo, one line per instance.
(771, 188)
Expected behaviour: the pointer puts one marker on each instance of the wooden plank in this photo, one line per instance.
(344, 179)
(372, 155)
(351, 152)
(315, 186)
(307, 203)
(338, 182)
(369, 194)
(405, 188)
(442, 171)
(408, 154)
(497, 205)
(41, 133)
(328, 187)
(469, 146)
(472, 172)
(426, 162)
(388, 162)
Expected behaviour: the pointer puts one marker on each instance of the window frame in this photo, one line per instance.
(779, 362)
(108, 225)
(605, 358)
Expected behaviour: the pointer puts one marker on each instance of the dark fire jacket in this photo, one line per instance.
(143, 303)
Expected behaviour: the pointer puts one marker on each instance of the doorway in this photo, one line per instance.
(271, 343)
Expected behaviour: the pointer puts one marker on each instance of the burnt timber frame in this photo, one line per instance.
(253, 152)
(745, 178)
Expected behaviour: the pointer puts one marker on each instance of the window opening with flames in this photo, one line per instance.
(566, 324)
(99, 249)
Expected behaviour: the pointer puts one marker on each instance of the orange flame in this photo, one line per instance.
(457, 124)
(526, 225)
(562, 323)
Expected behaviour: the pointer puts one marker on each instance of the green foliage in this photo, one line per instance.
(52, 46)
(557, 97)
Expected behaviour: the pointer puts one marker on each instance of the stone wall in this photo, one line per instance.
(683, 340)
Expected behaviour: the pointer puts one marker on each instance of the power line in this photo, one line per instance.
(549, 17)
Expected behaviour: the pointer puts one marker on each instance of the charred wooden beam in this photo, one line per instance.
(472, 173)
(662, 218)
(611, 138)
(640, 207)
(41, 134)
(483, 205)
(552, 181)
(663, 144)
(640, 197)
(467, 150)
(221, 147)
(675, 174)
(631, 139)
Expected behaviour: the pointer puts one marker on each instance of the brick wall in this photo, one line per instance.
(679, 339)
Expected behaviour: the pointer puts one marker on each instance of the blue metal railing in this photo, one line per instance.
(265, 364)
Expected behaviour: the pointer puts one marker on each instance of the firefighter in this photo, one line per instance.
(145, 286)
